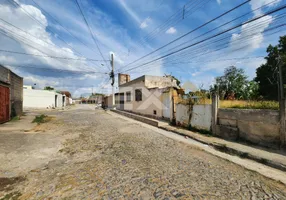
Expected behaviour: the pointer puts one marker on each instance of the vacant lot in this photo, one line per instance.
(85, 153)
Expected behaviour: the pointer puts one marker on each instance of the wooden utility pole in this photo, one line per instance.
(112, 79)
(281, 104)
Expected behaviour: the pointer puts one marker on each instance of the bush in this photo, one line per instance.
(41, 119)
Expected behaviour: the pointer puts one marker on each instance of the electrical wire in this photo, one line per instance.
(54, 57)
(213, 36)
(225, 13)
(91, 32)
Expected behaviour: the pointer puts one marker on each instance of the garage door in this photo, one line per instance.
(4, 104)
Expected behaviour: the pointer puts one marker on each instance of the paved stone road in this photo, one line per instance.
(104, 157)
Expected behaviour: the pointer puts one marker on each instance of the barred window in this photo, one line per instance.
(128, 96)
(138, 95)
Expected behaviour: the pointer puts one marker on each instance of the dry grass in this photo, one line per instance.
(240, 104)
(274, 105)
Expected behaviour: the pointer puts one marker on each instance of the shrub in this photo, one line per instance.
(39, 119)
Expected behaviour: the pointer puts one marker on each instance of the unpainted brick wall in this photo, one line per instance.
(16, 91)
(4, 74)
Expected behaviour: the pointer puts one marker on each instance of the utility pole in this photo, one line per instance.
(281, 104)
(112, 79)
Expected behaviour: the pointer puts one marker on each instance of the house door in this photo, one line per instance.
(56, 101)
(166, 105)
(4, 104)
(64, 99)
(121, 101)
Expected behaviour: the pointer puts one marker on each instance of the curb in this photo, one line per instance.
(231, 151)
(219, 147)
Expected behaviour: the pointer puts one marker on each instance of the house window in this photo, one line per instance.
(128, 96)
(138, 95)
(154, 112)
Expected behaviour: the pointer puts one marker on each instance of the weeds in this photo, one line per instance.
(274, 105)
(41, 119)
(16, 118)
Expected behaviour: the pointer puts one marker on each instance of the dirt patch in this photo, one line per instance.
(7, 184)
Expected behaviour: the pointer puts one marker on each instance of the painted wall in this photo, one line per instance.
(151, 100)
(200, 116)
(42, 99)
(256, 126)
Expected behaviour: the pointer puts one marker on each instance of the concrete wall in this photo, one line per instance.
(16, 93)
(256, 126)
(182, 115)
(41, 99)
(200, 116)
(4, 75)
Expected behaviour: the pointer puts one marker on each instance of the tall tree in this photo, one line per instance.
(234, 81)
(267, 74)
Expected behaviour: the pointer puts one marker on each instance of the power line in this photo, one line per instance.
(225, 13)
(13, 38)
(211, 37)
(90, 31)
(55, 57)
(62, 25)
(219, 26)
(241, 48)
(55, 69)
(229, 22)
(14, 3)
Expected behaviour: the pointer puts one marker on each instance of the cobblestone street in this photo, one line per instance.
(106, 157)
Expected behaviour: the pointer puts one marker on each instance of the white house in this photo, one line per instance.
(153, 96)
(33, 98)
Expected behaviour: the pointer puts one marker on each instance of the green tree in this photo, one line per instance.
(267, 74)
(234, 81)
(48, 88)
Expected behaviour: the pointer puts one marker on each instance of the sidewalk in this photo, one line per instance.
(273, 159)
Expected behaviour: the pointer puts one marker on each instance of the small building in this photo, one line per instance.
(43, 99)
(69, 100)
(95, 99)
(107, 101)
(152, 96)
(11, 94)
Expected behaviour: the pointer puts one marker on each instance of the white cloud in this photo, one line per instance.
(255, 4)
(255, 34)
(171, 30)
(218, 1)
(145, 23)
(129, 11)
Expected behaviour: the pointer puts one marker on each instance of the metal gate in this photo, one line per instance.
(4, 104)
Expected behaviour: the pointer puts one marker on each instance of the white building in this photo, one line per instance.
(43, 99)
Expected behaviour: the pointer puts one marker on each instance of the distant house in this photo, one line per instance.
(95, 99)
(11, 94)
(69, 100)
(153, 96)
(33, 98)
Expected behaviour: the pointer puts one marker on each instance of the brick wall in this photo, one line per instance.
(4, 74)
(16, 90)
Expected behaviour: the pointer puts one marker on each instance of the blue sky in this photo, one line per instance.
(131, 29)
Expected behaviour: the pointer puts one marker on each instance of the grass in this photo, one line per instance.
(16, 118)
(274, 105)
(39, 119)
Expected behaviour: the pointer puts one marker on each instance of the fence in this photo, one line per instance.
(257, 126)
